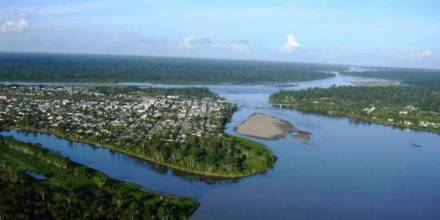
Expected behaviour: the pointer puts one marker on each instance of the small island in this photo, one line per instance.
(263, 126)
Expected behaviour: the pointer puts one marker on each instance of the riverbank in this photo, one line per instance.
(375, 82)
(262, 168)
(65, 177)
(398, 106)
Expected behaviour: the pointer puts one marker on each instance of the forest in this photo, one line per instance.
(425, 78)
(398, 106)
(67, 190)
(32, 67)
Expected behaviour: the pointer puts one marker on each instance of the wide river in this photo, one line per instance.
(346, 171)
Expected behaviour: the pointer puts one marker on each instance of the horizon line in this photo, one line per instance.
(214, 58)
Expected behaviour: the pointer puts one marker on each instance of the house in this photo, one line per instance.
(403, 112)
(369, 110)
(408, 123)
(410, 108)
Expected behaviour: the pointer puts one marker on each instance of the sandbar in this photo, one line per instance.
(263, 126)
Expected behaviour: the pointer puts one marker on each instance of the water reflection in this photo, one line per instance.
(68, 147)
(208, 180)
(37, 176)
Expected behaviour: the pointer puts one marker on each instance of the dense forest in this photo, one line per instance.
(418, 77)
(29, 67)
(66, 190)
(399, 106)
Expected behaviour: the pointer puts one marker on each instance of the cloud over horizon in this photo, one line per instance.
(311, 31)
(192, 42)
(417, 54)
(291, 44)
(13, 26)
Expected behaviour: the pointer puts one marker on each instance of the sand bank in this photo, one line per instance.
(266, 127)
(263, 126)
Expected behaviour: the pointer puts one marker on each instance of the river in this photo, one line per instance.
(347, 170)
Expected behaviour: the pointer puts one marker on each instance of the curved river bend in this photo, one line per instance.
(346, 171)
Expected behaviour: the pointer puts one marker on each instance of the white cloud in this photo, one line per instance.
(14, 26)
(235, 45)
(188, 42)
(424, 53)
(416, 54)
(191, 42)
(291, 44)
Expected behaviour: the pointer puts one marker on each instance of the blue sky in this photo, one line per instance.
(385, 33)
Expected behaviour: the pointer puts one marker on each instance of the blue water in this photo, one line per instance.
(346, 171)
(37, 176)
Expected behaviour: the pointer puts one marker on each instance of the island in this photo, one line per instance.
(263, 126)
(181, 128)
(38, 184)
(406, 107)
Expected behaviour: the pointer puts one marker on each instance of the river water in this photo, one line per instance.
(347, 170)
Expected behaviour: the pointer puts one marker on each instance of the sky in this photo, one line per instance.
(401, 33)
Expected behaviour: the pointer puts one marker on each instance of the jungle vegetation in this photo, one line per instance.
(399, 106)
(425, 78)
(71, 191)
(33, 67)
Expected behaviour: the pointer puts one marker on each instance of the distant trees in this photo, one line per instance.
(417, 77)
(89, 68)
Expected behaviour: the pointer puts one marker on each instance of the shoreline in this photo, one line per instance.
(375, 82)
(286, 127)
(360, 119)
(153, 83)
(167, 165)
(253, 127)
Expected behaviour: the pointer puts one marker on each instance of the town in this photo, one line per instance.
(85, 111)
(182, 128)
